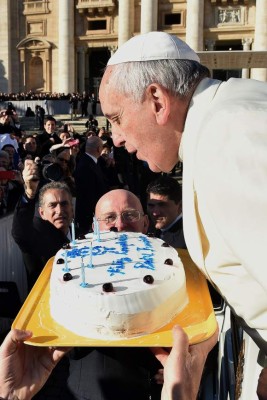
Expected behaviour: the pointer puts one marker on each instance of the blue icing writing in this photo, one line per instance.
(118, 266)
(148, 263)
(100, 250)
(146, 243)
(147, 254)
(122, 249)
(123, 242)
(82, 252)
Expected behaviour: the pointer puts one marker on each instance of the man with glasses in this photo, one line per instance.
(121, 209)
(110, 373)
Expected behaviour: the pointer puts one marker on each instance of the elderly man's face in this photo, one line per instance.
(116, 208)
(136, 127)
(57, 209)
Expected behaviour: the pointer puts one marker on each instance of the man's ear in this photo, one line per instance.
(160, 102)
(179, 207)
(146, 224)
(41, 212)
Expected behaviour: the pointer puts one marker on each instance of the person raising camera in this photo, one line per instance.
(40, 234)
(6, 125)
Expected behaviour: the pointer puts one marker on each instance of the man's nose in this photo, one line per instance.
(120, 224)
(59, 208)
(117, 138)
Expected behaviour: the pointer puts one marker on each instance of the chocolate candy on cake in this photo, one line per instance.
(107, 287)
(148, 279)
(60, 261)
(168, 261)
(67, 277)
(165, 244)
(151, 234)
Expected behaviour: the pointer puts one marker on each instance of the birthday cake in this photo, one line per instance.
(117, 285)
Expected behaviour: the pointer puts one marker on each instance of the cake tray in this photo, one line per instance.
(197, 318)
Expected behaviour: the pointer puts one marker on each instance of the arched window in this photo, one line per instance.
(36, 77)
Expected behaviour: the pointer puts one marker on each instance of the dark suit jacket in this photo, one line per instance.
(174, 236)
(38, 239)
(44, 143)
(113, 373)
(90, 186)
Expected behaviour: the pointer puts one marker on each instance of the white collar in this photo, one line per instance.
(173, 222)
(93, 158)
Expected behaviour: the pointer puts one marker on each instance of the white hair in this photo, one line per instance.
(179, 77)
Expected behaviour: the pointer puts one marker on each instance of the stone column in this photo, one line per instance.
(86, 70)
(5, 47)
(126, 21)
(260, 37)
(195, 24)
(112, 50)
(149, 15)
(246, 42)
(81, 69)
(66, 56)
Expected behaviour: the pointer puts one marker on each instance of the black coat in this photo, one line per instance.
(90, 185)
(37, 239)
(174, 236)
(44, 143)
(113, 373)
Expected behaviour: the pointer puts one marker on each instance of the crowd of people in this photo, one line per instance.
(224, 204)
(30, 95)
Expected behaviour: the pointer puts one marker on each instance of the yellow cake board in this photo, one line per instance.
(197, 318)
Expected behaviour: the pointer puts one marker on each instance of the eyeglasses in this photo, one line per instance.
(127, 216)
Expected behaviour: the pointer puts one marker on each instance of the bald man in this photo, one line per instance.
(115, 373)
(121, 209)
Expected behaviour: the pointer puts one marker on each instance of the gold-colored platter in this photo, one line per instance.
(197, 318)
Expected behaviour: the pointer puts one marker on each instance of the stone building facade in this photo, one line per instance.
(63, 45)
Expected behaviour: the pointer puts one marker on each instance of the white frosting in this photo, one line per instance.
(133, 307)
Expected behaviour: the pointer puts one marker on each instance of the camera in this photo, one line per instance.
(49, 171)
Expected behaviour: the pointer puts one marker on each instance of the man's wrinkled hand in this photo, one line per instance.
(31, 177)
(183, 366)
